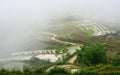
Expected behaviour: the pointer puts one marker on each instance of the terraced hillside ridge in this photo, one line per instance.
(93, 28)
(40, 54)
(53, 38)
(27, 55)
(66, 42)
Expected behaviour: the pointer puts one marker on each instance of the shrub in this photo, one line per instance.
(116, 60)
(59, 71)
(92, 54)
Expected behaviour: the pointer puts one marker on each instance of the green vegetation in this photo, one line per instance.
(89, 32)
(86, 72)
(116, 60)
(67, 36)
(92, 54)
(92, 58)
(59, 71)
(108, 68)
(59, 46)
(62, 71)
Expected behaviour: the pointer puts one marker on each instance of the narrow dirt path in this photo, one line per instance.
(72, 60)
(60, 41)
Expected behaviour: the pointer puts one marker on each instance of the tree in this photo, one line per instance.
(92, 54)
(58, 71)
(116, 60)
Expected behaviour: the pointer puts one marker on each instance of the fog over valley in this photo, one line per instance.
(22, 21)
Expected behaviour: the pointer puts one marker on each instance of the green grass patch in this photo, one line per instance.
(89, 32)
(65, 36)
(109, 69)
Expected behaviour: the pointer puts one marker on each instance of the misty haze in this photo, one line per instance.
(53, 35)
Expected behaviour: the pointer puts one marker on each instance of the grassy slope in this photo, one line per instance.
(89, 32)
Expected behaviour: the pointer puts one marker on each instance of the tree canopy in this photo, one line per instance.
(92, 54)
